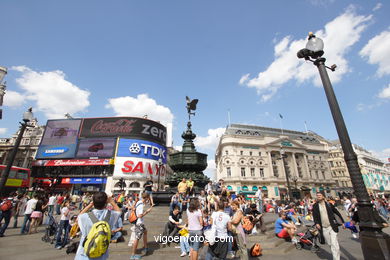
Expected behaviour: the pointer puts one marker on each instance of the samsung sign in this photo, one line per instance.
(141, 149)
(56, 151)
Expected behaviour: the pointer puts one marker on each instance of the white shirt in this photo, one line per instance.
(139, 210)
(347, 203)
(220, 220)
(65, 210)
(52, 201)
(259, 195)
(30, 206)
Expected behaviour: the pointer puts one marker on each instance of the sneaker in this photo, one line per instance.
(183, 254)
(232, 255)
(177, 247)
(59, 247)
(294, 240)
(134, 257)
(354, 235)
(297, 224)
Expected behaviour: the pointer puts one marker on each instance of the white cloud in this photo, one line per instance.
(383, 155)
(140, 106)
(3, 131)
(178, 148)
(338, 35)
(210, 170)
(53, 94)
(210, 142)
(385, 93)
(13, 99)
(377, 51)
(377, 7)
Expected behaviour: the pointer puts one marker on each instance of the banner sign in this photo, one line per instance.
(96, 147)
(61, 132)
(79, 162)
(138, 168)
(56, 151)
(141, 149)
(124, 126)
(83, 181)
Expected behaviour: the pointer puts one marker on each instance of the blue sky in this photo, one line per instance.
(107, 58)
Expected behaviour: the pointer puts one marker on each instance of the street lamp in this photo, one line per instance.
(375, 244)
(159, 171)
(295, 179)
(283, 157)
(27, 117)
(3, 71)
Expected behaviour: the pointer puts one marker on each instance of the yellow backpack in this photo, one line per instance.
(99, 237)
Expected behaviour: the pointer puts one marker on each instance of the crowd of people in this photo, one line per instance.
(213, 216)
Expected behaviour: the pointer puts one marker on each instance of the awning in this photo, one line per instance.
(75, 162)
(254, 188)
(245, 188)
(229, 187)
(264, 188)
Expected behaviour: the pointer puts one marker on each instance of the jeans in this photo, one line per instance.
(194, 236)
(7, 218)
(184, 245)
(64, 225)
(26, 223)
(16, 220)
(116, 235)
(50, 209)
(58, 209)
(170, 229)
(260, 206)
(230, 242)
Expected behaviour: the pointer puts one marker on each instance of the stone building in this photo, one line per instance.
(28, 146)
(248, 158)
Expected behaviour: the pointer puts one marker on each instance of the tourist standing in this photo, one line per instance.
(149, 189)
(190, 187)
(60, 199)
(195, 226)
(238, 231)
(63, 226)
(30, 206)
(99, 202)
(37, 215)
(51, 204)
(259, 197)
(140, 229)
(182, 187)
(5, 212)
(324, 218)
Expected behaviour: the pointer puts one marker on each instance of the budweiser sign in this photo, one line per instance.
(81, 162)
(121, 126)
(138, 128)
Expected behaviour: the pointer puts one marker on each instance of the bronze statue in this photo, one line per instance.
(191, 105)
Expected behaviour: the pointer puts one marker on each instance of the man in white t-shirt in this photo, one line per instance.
(221, 222)
(140, 229)
(30, 206)
(63, 226)
(347, 204)
(259, 196)
(51, 203)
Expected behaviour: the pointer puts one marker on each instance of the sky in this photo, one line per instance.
(124, 57)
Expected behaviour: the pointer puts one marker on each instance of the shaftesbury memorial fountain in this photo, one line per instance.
(188, 163)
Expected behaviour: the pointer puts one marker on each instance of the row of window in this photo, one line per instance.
(242, 153)
(243, 172)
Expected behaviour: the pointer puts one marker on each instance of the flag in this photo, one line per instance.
(280, 116)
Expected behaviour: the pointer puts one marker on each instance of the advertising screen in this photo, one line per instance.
(141, 149)
(96, 147)
(59, 139)
(138, 168)
(124, 126)
(60, 132)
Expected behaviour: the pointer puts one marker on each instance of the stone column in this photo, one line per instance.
(271, 167)
(306, 166)
(295, 165)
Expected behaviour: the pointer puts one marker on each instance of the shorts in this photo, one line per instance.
(36, 214)
(139, 230)
(194, 239)
(149, 192)
(283, 234)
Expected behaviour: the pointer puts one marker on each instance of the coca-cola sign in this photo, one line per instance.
(124, 126)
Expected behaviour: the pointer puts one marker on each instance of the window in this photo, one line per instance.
(252, 172)
(227, 152)
(250, 153)
(261, 172)
(242, 172)
(259, 153)
(241, 153)
(229, 172)
(323, 175)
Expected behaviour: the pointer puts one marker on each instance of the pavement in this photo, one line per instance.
(31, 247)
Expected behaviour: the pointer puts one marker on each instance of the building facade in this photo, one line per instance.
(248, 158)
(28, 145)
(376, 174)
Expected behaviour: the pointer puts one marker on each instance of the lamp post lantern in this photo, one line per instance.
(375, 244)
(27, 117)
(3, 72)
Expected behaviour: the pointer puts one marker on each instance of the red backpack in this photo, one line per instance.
(256, 250)
(6, 205)
(247, 225)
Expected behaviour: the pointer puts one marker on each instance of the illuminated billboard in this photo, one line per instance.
(96, 147)
(137, 168)
(141, 149)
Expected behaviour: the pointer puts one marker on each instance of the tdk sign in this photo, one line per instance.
(141, 149)
(55, 151)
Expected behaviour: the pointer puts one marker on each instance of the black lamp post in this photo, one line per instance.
(27, 117)
(159, 171)
(283, 156)
(3, 72)
(375, 244)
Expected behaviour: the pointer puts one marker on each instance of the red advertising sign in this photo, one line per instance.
(80, 162)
